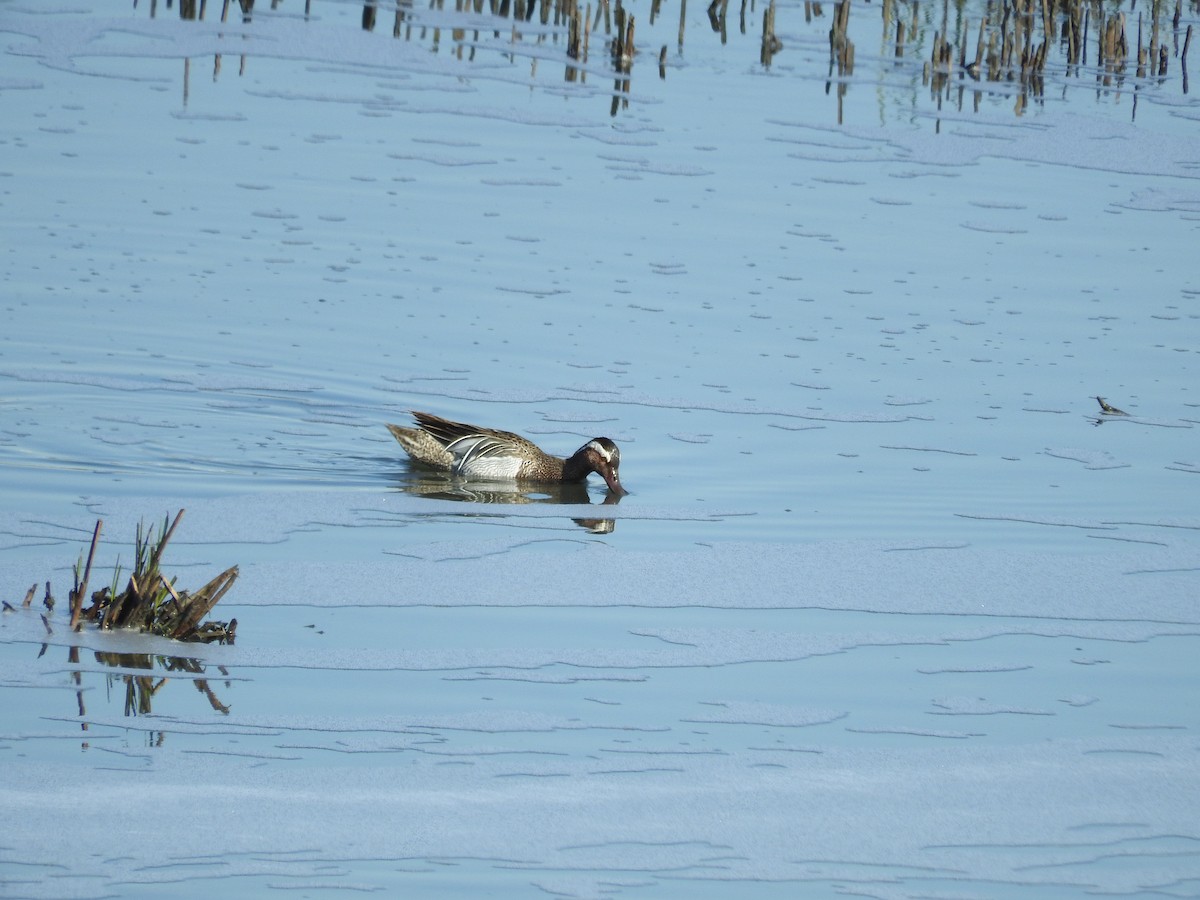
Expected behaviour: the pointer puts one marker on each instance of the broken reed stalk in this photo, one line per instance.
(162, 544)
(201, 603)
(170, 587)
(80, 591)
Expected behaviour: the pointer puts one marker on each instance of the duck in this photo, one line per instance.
(471, 451)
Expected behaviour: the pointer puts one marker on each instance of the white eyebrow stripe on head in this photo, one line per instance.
(605, 454)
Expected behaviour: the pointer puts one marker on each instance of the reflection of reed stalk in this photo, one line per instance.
(841, 48)
(770, 43)
(1187, 42)
(140, 690)
(622, 45)
(577, 34)
(622, 56)
(1009, 47)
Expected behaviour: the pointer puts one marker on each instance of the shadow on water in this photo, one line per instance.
(1019, 47)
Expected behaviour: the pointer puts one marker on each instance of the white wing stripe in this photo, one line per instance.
(480, 456)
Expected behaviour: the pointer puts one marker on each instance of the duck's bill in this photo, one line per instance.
(614, 483)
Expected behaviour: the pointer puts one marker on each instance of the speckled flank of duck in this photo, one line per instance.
(471, 451)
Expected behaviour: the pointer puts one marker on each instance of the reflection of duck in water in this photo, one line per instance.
(444, 486)
(485, 454)
(1108, 410)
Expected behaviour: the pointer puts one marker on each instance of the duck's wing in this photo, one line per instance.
(487, 456)
(448, 431)
(485, 452)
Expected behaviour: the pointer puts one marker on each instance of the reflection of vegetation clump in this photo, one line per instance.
(141, 689)
(149, 601)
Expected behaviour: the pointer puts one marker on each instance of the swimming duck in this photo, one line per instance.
(484, 453)
(1108, 410)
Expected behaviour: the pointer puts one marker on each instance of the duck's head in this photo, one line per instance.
(604, 459)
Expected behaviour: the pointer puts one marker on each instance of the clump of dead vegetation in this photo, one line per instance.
(149, 601)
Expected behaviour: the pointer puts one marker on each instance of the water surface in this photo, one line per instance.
(892, 609)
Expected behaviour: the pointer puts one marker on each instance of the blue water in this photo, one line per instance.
(888, 599)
